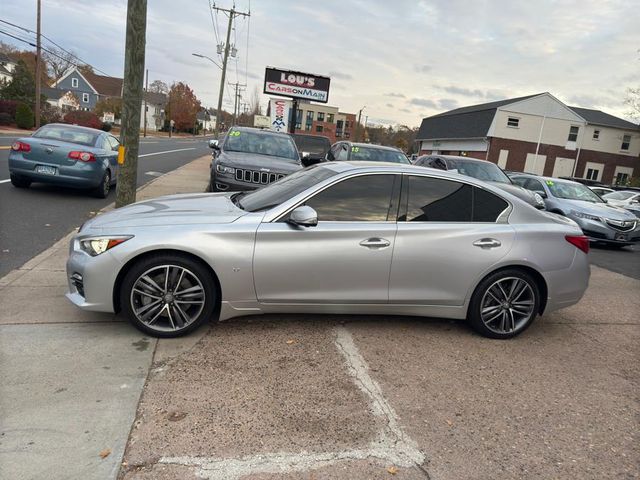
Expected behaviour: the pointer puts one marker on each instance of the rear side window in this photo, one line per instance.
(366, 198)
(438, 200)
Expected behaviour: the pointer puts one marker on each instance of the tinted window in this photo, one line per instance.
(487, 207)
(363, 198)
(372, 154)
(343, 152)
(486, 171)
(437, 200)
(68, 134)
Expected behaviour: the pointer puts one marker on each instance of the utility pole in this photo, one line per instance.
(38, 65)
(293, 117)
(236, 102)
(131, 101)
(146, 90)
(358, 124)
(232, 13)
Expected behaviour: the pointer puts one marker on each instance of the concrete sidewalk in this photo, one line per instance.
(70, 388)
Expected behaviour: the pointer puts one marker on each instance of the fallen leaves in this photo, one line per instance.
(105, 453)
(392, 470)
(290, 342)
(176, 416)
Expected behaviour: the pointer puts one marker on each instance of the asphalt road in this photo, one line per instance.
(33, 219)
(624, 260)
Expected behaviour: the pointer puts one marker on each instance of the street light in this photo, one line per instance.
(208, 58)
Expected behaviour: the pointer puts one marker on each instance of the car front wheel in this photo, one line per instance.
(168, 295)
(504, 304)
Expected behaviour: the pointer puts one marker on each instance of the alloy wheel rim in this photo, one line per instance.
(507, 305)
(167, 298)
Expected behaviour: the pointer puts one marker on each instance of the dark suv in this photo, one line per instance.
(250, 158)
(351, 151)
(312, 148)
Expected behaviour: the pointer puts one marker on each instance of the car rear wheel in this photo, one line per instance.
(504, 304)
(102, 190)
(20, 182)
(168, 295)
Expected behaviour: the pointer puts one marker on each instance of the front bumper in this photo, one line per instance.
(602, 232)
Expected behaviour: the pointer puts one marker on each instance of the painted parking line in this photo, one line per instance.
(154, 174)
(5, 181)
(166, 151)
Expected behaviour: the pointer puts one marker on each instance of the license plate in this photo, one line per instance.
(621, 236)
(46, 170)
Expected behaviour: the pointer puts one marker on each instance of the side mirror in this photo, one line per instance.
(303, 217)
(306, 159)
(330, 156)
(542, 193)
(214, 144)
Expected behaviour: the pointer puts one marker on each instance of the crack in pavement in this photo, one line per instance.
(392, 445)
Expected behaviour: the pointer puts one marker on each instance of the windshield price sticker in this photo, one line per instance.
(234, 134)
(550, 183)
(355, 149)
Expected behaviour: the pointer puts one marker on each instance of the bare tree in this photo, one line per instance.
(158, 86)
(633, 101)
(254, 103)
(58, 62)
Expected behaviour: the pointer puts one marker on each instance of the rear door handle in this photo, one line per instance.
(487, 243)
(375, 243)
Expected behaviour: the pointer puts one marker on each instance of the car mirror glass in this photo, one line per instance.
(541, 193)
(214, 144)
(303, 217)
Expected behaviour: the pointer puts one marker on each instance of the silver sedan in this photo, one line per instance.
(339, 237)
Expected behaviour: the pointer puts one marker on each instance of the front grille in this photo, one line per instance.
(622, 225)
(254, 176)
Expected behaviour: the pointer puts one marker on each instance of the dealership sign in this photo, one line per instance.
(296, 85)
(279, 114)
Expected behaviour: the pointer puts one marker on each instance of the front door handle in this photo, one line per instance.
(487, 243)
(375, 243)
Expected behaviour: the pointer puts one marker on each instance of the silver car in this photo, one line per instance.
(599, 221)
(337, 237)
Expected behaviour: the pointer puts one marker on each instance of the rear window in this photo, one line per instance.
(313, 145)
(67, 134)
(372, 154)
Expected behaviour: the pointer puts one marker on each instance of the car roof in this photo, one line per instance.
(456, 157)
(372, 145)
(75, 127)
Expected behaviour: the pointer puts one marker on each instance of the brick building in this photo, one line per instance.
(320, 119)
(538, 134)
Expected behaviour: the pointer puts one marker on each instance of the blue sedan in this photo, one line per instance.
(68, 156)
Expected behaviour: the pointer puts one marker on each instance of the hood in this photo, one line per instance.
(186, 209)
(250, 161)
(603, 210)
(518, 191)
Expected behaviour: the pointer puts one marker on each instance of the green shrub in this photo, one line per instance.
(24, 116)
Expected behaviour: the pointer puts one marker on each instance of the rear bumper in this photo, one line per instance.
(78, 175)
(567, 286)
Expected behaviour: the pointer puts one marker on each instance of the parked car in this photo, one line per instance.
(584, 181)
(599, 221)
(250, 158)
(66, 155)
(350, 151)
(482, 170)
(627, 199)
(312, 148)
(600, 191)
(332, 238)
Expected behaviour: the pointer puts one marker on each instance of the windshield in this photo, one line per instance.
(619, 195)
(272, 144)
(282, 190)
(373, 154)
(67, 134)
(486, 171)
(572, 191)
(313, 145)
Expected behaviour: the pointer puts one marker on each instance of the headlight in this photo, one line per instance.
(97, 245)
(225, 169)
(585, 216)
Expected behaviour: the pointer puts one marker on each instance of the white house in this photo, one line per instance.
(7, 67)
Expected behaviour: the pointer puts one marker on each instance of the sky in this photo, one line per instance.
(403, 60)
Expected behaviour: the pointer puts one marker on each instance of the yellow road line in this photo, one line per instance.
(5, 147)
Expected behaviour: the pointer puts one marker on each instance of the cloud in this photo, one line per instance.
(422, 102)
(395, 95)
(340, 75)
(422, 68)
(406, 110)
(390, 105)
(466, 92)
(447, 103)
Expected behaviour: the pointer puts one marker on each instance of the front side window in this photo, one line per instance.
(366, 198)
(573, 134)
(343, 152)
(626, 142)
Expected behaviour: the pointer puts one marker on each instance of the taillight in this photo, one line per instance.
(579, 241)
(82, 156)
(21, 147)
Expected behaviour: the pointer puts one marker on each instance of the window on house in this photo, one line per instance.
(319, 128)
(346, 124)
(573, 134)
(513, 122)
(626, 142)
(74, 82)
(622, 178)
(330, 117)
(592, 174)
(596, 134)
(85, 98)
(309, 121)
(321, 116)
(298, 119)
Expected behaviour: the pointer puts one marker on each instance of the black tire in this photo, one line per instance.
(212, 185)
(167, 323)
(20, 182)
(102, 190)
(511, 319)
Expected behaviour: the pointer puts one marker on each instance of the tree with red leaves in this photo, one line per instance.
(182, 107)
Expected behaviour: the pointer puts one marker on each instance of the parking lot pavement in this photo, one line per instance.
(359, 397)
(621, 260)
